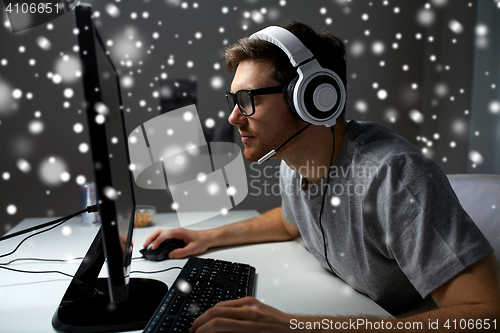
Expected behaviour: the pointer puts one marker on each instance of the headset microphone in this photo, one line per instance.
(272, 152)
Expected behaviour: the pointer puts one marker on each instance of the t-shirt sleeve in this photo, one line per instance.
(285, 185)
(421, 221)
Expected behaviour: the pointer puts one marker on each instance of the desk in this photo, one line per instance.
(288, 276)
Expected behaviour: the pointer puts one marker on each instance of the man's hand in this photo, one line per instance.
(195, 242)
(242, 315)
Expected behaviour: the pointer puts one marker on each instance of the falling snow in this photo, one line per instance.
(416, 116)
(361, 106)
(494, 107)
(209, 123)
(36, 127)
(188, 116)
(476, 157)
(110, 193)
(11, 209)
(43, 66)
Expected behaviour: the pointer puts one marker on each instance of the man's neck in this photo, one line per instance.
(312, 158)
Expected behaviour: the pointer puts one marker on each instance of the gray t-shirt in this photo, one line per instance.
(394, 228)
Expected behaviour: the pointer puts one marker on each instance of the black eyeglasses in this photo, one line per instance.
(244, 98)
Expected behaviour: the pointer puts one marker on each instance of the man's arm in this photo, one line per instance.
(468, 302)
(267, 227)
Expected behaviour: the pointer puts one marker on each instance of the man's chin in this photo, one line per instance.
(250, 155)
(253, 155)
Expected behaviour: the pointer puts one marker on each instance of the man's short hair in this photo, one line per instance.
(328, 49)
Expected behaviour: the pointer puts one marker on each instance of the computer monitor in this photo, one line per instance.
(116, 303)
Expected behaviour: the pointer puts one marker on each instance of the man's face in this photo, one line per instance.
(272, 122)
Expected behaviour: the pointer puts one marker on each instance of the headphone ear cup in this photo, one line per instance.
(289, 96)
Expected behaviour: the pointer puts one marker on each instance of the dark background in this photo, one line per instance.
(436, 59)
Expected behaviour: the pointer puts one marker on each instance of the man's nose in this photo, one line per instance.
(236, 117)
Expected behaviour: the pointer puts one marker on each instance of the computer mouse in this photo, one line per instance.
(161, 253)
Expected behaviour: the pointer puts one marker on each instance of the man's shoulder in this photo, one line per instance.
(375, 142)
(390, 157)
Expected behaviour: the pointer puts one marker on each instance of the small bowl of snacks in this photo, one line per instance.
(144, 215)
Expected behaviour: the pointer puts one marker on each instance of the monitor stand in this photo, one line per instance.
(86, 305)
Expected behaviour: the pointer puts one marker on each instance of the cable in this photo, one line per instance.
(67, 261)
(57, 222)
(38, 233)
(89, 209)
(274, 151)
(40, 259)
(293, 136)
(323, 203)
(51, 260)
(71, 276)
(154, 272)
(35, 272)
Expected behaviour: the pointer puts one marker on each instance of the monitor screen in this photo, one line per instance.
(109, 152)
(115, 303)
(117, 190)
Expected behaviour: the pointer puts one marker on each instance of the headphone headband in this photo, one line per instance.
(296, 51)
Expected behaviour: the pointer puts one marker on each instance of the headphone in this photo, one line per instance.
(316, 95)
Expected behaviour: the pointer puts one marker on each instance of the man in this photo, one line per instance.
(388, 223)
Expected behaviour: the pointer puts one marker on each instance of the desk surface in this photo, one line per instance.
(288, 276)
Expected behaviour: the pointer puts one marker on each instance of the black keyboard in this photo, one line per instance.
(201, 284)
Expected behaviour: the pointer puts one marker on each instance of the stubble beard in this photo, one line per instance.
(253, 152)
(258, 149)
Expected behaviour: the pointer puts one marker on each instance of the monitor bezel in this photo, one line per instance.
(118, 263)
(115, 303)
